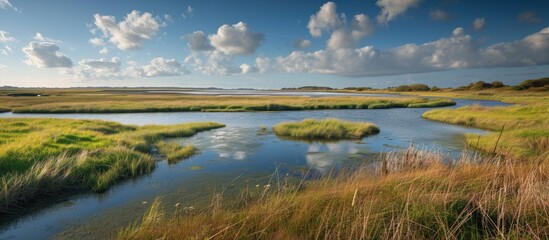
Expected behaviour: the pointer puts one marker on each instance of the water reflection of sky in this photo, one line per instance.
(240, 150)
(229, 143)
(320, 161)
(325, 157)
(262, 149)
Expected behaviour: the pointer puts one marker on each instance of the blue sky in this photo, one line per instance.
(271, 44)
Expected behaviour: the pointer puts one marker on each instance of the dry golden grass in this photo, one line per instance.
(412, 195)
(508, 96)
(128, 100)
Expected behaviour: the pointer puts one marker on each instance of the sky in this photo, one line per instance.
(271, 44)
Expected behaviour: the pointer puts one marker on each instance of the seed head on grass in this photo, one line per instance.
(420, 198)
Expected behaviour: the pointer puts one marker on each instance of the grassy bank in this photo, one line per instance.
(175, 152)
(325, 129)
(412, 195)
(507, 96)
(525, 127)
(48, 156)
(123, 101)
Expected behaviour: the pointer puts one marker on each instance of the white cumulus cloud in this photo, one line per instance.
(197, 41)
(237, 39)
(158, 67)
(263, 64)
(131, 32)
(41, 38)
(214, 63)
(102, 68)
(98, 42)
(246, 68)
(518, 53)
(44, 53)
(457, 51)
(349, 36)
(215, 54)
(390, 9)
(342, 33)
(326, 19)
(105, 68)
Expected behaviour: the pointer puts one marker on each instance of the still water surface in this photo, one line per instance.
(236, 156)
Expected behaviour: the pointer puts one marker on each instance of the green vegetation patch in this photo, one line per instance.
(410, 88)
(174, 152)
(541, 83)
(46, 156)
(525, 127)
(433, 103)
(325, 129)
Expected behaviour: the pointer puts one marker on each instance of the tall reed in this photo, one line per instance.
(409, 195)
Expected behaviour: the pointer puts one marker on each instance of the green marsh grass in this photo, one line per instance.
(47, 156)
(128, 100)
(409, 195)
(508, 96)
(174, 152)
(329, 128)
(525, 127)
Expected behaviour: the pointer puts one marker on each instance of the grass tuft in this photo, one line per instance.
(175, 152)
(325, 129)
